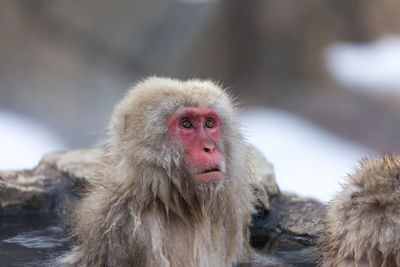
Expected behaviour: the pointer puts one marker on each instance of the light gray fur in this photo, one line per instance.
(146, 210)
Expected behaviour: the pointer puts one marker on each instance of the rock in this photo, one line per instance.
(16, 198)
(296, 219)
(81, 165)
(264, 183)
(51, 185)
(27, 190)
(301, 217)
(291, 231)
(283, 219)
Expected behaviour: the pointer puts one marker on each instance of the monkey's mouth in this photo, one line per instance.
(211, 175)
(215, 169)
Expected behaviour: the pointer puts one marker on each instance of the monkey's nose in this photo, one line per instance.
(209, 148)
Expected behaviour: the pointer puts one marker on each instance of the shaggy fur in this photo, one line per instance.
(146, 210)
(363, 223)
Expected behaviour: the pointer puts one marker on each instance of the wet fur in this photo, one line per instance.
(363, 223)
(146, 210)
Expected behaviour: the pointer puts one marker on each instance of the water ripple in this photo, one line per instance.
(46, 238)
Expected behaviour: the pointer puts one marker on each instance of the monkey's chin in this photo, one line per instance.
(214, 177)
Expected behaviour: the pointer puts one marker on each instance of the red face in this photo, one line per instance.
(199, 131)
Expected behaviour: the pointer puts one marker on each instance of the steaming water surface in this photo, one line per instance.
(31, 240)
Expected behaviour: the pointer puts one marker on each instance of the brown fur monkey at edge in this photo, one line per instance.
(175, 189)
(363, 221)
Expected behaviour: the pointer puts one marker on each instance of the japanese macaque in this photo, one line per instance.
(363, 221)
(175, 189)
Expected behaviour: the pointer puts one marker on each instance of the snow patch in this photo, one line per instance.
(372, 67)
(23, 141)
(307, 159)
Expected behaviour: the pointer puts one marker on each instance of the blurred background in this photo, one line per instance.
(318, 81)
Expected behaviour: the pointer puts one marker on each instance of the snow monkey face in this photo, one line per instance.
(198, 130)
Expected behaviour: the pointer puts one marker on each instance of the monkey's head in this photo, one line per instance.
(363, 221)
(177, 127)
(376, 184)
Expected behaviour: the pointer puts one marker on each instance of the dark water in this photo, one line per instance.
(31, 240)
(38, 239)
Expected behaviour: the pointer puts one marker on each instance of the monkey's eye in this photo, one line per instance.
(186, 124)
(209, 123)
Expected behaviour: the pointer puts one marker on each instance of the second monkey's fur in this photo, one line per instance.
(146, 210)
(363, 224)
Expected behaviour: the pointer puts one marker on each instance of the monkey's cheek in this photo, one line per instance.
(210, 177)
